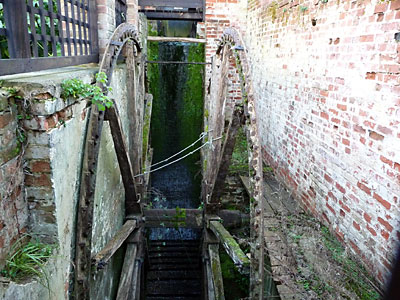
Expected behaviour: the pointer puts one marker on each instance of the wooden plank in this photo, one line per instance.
(137, 282)
(125, 281)
(131, 205)
(227, 150)
(216, 121)
(101, 258)
(84, 224)
(187, 218)
(15, 14)
(146, 169)
(209, 286)
(188, 16)
(193, 218)
(174, 39)
(24, 65)
(93, 32)
(218, 283)
(176, 62)
(172, 3)
(232, 248)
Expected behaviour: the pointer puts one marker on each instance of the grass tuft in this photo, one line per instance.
(27, 259)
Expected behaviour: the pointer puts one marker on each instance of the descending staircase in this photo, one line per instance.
(174, 270)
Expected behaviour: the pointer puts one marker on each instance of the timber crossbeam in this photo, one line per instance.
(100, 259)
(191, 218)
(232, 248)
(124, 161)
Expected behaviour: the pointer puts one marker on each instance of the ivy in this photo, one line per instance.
(76, 88)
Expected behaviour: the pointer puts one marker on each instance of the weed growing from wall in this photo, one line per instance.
(27, 259)
(76, 88)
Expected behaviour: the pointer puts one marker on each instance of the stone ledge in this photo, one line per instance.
(43, 89)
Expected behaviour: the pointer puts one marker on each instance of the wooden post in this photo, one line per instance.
(216, 272)
(216, 121)
(128, 267)
(84, 224)
(93, 34)
(129, 284)
(131, 205)
(227, 150)
(15, 14)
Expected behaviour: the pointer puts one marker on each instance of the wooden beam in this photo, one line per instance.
(125, 281)
(174, 39)
(193, 218)
(101, 258)
(218, 93)
(227, 150)
(232, 248)
(172, 3)
(132, 205)
(84, 223)
(176, 62)
(218, 283)
(188, 16)
(137, 278)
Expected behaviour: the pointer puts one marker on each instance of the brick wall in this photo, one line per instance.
(13, 208)
(327, 84)
(106, 19)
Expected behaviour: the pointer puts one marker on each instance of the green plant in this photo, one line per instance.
(27, 259)
(240, 159)
(303, 9)
(77, 88)
(180, 217)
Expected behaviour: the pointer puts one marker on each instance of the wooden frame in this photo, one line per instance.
(62, 34)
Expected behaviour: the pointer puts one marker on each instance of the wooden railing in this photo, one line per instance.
(43, 34)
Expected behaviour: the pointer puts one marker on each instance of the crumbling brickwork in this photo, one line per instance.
(13, 209)
(327, 83)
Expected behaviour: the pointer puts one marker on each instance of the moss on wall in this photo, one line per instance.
(191, 113)
(238, 284)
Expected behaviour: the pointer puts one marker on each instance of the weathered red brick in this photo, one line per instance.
(328, 178)
(382, 201)
(376, 136)
(34, 180)
(386, 224)
(356, 225)
(5, 119)
(370, 229)
(364, 188)
(331, 208)
(394, 5)
(355, 247)
(340, 188)
(386, 160)
(380, 8)
(40, 166)
(367, 217)
(325, 115)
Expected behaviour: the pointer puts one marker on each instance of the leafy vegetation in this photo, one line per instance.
(27, 259)
(76, 88)
(240, 157)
